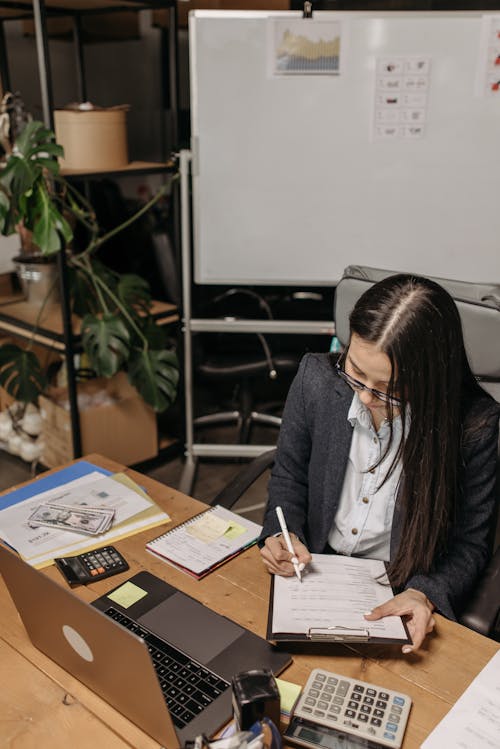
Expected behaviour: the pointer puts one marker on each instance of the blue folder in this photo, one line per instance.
(52, 481)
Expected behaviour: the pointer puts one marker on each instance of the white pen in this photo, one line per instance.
(288, 541)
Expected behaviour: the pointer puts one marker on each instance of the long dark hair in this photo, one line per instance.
(415, 322)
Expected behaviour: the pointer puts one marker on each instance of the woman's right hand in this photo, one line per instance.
(278, 560)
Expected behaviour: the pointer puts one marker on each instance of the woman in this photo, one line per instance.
(391, 454)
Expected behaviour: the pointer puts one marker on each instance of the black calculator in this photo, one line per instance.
(92, 565)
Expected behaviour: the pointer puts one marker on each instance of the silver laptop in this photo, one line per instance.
(127, 659)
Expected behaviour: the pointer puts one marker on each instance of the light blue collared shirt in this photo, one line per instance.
(363, 521)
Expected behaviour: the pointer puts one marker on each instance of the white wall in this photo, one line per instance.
(9, 248)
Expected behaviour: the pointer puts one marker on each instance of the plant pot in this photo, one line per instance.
(39, 278)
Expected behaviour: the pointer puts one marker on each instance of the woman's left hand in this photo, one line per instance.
(416, 607)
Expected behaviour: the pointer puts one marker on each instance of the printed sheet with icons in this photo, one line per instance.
(401, 92)
(488, 69)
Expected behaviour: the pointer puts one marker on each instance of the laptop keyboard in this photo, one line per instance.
(188, 687)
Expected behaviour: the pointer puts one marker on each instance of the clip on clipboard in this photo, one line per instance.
(337, 634)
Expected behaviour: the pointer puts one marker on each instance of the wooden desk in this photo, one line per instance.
(42, 706)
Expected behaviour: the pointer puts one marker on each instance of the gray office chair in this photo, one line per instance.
(479, 306)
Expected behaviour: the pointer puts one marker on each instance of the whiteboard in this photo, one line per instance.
(290, 184)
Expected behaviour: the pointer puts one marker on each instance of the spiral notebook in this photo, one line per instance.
(205, 541)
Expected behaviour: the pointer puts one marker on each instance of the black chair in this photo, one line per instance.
(243, 364)
(482, 613)
(236, 488)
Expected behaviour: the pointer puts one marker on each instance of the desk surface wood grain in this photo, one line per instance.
(56, 706)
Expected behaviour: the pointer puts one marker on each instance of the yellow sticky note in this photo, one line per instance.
(288, 695)
(234, 530)
(208, 528)
(127, 594)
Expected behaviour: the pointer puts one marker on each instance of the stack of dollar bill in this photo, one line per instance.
(78, 518)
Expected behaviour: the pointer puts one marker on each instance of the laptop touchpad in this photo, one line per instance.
(191, 627)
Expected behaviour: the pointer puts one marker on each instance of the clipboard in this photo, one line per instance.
(330, 634)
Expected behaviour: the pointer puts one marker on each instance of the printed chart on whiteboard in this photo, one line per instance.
(298, 47)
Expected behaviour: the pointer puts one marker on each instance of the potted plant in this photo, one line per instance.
(118, 331)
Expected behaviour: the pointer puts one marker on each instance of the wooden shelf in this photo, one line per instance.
(134, 167)
(19, 318)
(20, 8)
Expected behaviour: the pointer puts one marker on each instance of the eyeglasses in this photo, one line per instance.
(359, 386)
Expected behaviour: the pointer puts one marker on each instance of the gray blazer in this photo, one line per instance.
(307, 478)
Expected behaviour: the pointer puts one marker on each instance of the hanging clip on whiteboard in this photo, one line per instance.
(338, 634)
(308, 9)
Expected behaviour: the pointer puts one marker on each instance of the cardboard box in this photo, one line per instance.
(92, 140)
(124, 430)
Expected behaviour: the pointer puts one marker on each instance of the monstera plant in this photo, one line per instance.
(118, 330)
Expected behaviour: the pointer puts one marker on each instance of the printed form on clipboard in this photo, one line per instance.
(205, 541)
(328, 605)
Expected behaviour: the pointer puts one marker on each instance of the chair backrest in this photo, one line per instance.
(478, 305)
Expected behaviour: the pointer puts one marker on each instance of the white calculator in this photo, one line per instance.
(334, 712)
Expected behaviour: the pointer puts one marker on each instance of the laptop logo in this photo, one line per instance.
(76, 641)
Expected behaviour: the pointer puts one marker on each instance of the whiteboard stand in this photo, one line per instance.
(191, 325)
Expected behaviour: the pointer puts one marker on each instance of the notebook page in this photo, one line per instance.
(207, 539)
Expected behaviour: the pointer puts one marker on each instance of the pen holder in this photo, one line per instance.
(255, 697)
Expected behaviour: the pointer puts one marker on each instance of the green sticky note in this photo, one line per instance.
(127, 594)
(234, 530)
(288, 695)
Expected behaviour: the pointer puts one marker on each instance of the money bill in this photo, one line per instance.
(90, 521)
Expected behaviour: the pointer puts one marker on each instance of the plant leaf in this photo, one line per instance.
(83, 300)
(33, 129)
(47, 149)
(19, 175)
(50, 225)
(45, 227)
(155, 374)
(50, 164)
(20, 373)
(133, 290)
(63, 226)
(156, 335)
(4, 210)
(105, 340)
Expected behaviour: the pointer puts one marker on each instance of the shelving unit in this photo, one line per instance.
(59, 329)
(19, 318)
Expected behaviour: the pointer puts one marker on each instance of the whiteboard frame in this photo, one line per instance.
(406, 261)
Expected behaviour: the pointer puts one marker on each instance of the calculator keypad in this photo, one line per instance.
(354, 707)
(92, 565)
(101, 561)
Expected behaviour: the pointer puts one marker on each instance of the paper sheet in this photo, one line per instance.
(12, 519)
(335, 592)
(90, 491)
(474, 721)
(38, 546)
